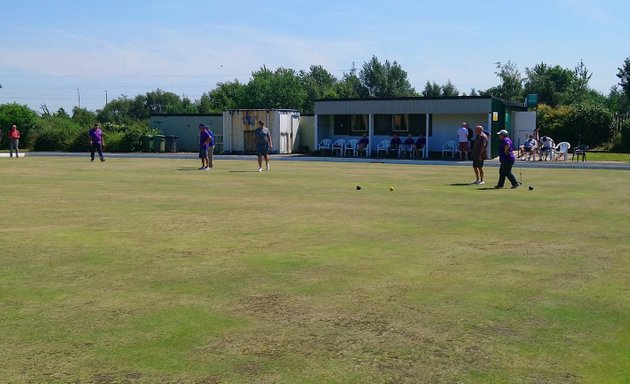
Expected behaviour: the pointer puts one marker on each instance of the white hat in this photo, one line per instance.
(503, 132)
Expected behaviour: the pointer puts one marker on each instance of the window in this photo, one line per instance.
(399, 123)
(343, 124)
(383, 125)
(359, 123)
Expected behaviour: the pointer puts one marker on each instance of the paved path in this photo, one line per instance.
(297, 157)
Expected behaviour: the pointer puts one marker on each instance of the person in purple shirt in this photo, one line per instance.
(96, 142)
(362, 145)
(206, 147)
(394, 144)
(506, 157)
(407, 148)
(419, 146)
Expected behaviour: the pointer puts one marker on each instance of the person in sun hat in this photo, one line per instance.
(506, 157)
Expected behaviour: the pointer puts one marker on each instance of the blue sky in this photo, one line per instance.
(55, 52)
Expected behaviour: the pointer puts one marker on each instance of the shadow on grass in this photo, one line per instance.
(190, 169)
(461, 184)
(242, 171)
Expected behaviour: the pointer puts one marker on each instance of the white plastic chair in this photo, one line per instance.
(383, 146)
(562, 150)
(324, 145)
(406, 149)
(351, 146)
(449, 147)
(338, 146)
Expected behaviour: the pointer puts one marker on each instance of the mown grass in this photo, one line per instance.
(146, 270)
(607, 156)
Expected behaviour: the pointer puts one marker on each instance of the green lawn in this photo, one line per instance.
(147, 270)
(606, 156)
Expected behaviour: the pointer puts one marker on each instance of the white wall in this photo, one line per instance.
(445, 128)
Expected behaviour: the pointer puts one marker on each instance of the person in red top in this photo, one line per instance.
(14, 141)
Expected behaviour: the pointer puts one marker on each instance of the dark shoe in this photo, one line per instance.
(516, 185)
(91, 159)
(102, 160)
(497, 187)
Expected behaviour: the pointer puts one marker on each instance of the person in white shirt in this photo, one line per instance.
(462, 134)
(545, 148)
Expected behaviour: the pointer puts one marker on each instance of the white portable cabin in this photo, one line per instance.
(239, 126)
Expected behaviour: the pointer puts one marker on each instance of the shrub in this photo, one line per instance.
(583, 123)
(589, 124)
(57, 134)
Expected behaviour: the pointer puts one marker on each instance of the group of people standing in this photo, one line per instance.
(478, 154)
(207, 142)
(14, 141)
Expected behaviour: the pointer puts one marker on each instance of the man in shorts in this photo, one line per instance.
(462, 135)
(529, 148)
(479, 154)
(263, 145)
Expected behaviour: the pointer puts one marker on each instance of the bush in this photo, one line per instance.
(589, 124)
(57, 134)
(583, 123)
(124, 137)
(552, 121)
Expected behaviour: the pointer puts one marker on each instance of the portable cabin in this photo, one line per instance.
(239, 126)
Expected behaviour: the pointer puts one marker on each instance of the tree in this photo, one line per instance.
(617, 101)
(432, 90)
(385, 80)
(550, 83)
(116, 111)
(227, 95)
(624, 77)
(449, 89)
(436, 90)
(62, 113)
(350, 86)
(161, 102)
(83, 117)
(511, 87)
(578, 90)
(274, 89)
(318, 83)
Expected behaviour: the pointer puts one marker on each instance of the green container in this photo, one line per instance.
(171, 143)
(147, 142)
(159, 143)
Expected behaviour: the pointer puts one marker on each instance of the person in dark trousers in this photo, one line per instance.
(96, 142)
(506, 157)
(14, 141)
